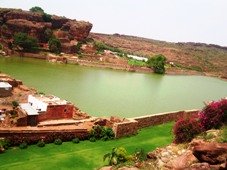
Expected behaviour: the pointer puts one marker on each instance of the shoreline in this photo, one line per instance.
(67, 59)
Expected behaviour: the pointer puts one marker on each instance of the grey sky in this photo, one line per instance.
(169, 20)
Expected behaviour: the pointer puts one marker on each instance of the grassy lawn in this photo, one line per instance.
(85, 155)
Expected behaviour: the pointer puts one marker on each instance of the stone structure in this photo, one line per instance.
(34, 24)
(131, 126)
(41, 108)
(5, 89)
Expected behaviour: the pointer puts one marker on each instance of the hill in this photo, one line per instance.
(207, 58)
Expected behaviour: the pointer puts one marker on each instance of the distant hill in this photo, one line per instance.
(208, 58)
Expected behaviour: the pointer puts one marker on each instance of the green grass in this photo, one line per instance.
(134, 62)
(86, 154)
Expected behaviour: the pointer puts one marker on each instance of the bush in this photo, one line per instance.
(78, 47)
(5, 143)
(15, 103)
(100, 132)
(157, 63)
(57, 141)
(27, 43)
(1, 47)
(48, 33)
(211, 116)
(36, 9)
(54, 45)
(76, 140)
(23, 145)
(92, 139)
(116, 156)
(186, 129)
(47, 17)
(100, 47)
(41, 143)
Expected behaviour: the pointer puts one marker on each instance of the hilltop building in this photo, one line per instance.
(42, 108)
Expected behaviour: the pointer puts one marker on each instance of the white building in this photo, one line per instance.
(5, 89)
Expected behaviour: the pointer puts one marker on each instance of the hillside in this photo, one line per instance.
(207, 58)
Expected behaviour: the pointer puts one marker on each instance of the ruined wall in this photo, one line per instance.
(33, 136)
(57, 112)
(125, 128)
(22, 121)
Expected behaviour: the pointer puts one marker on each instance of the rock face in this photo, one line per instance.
(68, 31)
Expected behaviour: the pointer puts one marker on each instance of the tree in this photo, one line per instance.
(25, 42)
(48, 33)
(54, 45)
(157, 63)
(36, 9)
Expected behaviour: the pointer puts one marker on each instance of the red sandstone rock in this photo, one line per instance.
(182, 162)
(78, 29)
(26, 15)
(58, 22)
(212, 153)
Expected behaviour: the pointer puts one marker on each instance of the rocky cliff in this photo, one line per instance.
(35, 24)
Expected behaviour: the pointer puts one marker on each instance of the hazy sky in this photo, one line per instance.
(169, 20)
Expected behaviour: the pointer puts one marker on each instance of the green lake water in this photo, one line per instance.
(106, 92)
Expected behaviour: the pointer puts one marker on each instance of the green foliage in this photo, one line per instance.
(76, 140)
(15, 103)
(157, 63)
(27, 43)
(100, 47)
(23, 145)
(224, 134)
(5, 143)
(57, 141)
(41, 143)
(134, 62)
(101, 132)
(140, 155)
(47, 17)
(1, 46)
(92, 139)
(116, 156)
(78, 47)
(36, 9)
(54, 45)
(48, 33)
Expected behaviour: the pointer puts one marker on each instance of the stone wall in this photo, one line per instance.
(33, 136)
(131, 126)
(57, 112)
(125, 128)
(156, 119)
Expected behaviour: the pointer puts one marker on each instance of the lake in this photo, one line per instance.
(106, 92)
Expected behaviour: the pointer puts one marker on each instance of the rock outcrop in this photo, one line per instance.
(34, 24)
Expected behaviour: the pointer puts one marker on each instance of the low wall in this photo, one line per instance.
(157, 119)
(33, 136)
(125, 128)
(132, 125)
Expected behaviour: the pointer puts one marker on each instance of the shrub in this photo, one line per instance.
(140, 155)
(36, 9)
(41, 143)
(186, 129)
(5, 143)
(57, 141)
(27, 43)
(211, 116)
(116, 156)
(78, 47)
(100, 132)
(92, 139)
(47, 17)
(1, 46)
(224, 134)
(100, 47)
(48, 33)
(23, 145)
(54, 45)
(223, 107)
(157, 63)
(76, 140)
(15, 103)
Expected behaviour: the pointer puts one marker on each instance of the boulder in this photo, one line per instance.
(212, 153)
(79, 30)
(58, 22)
